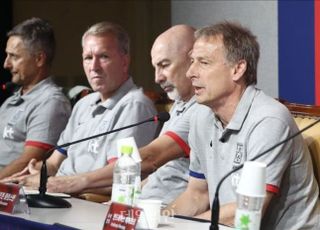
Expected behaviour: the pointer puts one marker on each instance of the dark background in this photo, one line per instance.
(143, 19)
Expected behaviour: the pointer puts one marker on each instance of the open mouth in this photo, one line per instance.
(168, 89)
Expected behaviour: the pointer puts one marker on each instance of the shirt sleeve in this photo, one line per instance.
(179, 129)
(46, 122)
(195, 167)
(183, 145)
(261, 138)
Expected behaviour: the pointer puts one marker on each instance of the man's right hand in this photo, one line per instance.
(29, 169)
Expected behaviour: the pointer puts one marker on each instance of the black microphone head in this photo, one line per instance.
(9, 86)
(3, 87)
(163, 116)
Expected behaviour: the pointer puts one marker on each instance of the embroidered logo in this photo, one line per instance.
(8, 132)
(239, 153)
(93, 146)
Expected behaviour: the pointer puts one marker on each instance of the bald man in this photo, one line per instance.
(171, 61)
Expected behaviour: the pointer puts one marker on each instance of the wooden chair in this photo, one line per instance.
(94, 197)
(304, 115)
(98, 195)
(160, 100)
(77, 92)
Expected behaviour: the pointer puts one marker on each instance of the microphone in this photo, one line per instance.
(8, 87)
(215, 211)
(42, 200)
(162, 117)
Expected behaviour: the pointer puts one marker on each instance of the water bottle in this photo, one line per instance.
(125, 174)
(248, 214)
(137, 186)
(251, 192)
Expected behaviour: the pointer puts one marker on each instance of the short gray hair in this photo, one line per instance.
(103, 28)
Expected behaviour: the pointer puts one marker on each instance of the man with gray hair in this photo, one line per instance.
(32, 119)
(116, 102)
(238, 123)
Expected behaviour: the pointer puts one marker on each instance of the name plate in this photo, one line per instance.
(121, 216)
(9, 195)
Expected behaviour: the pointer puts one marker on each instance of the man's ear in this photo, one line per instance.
(126, 62)
(41, 58)
(239, 69)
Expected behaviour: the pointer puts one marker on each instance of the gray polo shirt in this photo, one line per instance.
(259, 122)
(34, 119)
(172, 178)
(90, 117)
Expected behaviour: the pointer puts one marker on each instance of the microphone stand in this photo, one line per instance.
(42, 200)
(215, 210)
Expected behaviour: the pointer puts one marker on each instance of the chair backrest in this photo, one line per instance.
(162, 104)
(304, 115)
(77, 92)
(160, 100)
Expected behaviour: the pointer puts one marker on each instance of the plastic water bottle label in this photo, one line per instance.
(122, 193)
(247, 220)
(137, 190)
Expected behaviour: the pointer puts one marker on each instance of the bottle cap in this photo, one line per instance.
(126, 149)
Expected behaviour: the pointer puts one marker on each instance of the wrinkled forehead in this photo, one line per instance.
(206, 45)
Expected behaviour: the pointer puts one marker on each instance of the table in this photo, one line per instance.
(90, 216)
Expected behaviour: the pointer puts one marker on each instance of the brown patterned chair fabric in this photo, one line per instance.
(304, 115)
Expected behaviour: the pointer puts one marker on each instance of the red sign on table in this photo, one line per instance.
(9, 195)
(121, 216)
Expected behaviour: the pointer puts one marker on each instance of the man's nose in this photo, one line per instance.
(7, 63)
(95, 64)
(191, 71)
(159, 77)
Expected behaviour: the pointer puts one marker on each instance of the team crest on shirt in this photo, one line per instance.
(239, 154)
(94, 144)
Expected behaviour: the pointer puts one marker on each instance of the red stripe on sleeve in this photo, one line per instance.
(272, 188)
(37, 144)
(185, 147)
(111, 160)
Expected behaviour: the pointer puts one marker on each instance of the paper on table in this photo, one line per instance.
(29, 191)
